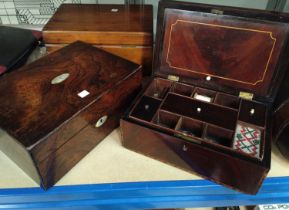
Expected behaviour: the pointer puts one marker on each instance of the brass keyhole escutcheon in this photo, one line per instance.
(101, 121)
(60, 78)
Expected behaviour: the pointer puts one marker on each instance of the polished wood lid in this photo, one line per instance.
(42, 96)
(101, 24)
(220, 47)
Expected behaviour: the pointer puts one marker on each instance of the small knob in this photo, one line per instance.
(252, 111)
(199, 110)
(208, 78)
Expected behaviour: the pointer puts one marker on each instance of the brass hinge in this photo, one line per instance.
(246, 95)
(173, 78)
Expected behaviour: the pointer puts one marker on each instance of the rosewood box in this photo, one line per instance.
(207, 110)
(58, 108)
(16, 46)
(124, 30)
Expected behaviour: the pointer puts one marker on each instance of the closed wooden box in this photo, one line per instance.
(124, 30)
(16, 45)
(55, 110)
(207, 110)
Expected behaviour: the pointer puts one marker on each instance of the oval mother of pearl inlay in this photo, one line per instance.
(60, 78)
(101, 121)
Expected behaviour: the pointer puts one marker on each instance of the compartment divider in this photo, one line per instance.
(178, 125)
(204, 131)
(166, 120)
(171, 107)
(166, 94)
(182, 89)
(142, 109)
(226, 100)
(218, 135)
(257, 118)
(189, 127)
(158, 86)
(204, 92)
(200, 110)
(216, 97)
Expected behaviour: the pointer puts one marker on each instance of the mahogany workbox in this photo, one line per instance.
(208, 108)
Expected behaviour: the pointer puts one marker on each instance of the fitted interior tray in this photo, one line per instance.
(203, 115)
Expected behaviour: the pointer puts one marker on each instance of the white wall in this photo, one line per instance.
(286, 8)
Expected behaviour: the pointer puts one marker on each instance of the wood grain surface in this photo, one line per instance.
(100, 24)
(138, 54)
(44, 117)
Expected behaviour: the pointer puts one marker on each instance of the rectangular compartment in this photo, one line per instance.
(227, 100)
(182, 89)
(218, 135)
(158, 88)
(204, 93)
(166, 119)
(200, 110)
(146, 108)
(189, 127)
(253, 112)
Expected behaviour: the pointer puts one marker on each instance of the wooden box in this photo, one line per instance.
(16, 45)
(56, 109)
(207, 110)
(124, 30)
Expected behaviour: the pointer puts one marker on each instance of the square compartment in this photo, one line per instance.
(146, 108)
(227, 100)
(253, 112)
(158, 88)
(218, 135)
(166, 119)
(181, 89)
(205, 93)
(189, 127)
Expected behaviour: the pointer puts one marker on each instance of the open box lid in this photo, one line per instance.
(238, 51)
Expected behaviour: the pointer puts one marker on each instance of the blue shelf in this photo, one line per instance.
(140, 195)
